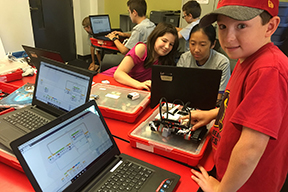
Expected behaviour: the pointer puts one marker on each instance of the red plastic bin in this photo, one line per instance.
(114, 103)
(174, 146)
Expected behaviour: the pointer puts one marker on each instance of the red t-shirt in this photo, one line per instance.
(256, 97)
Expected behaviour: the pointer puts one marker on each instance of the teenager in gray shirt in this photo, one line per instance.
(137, 12)
(202, 55)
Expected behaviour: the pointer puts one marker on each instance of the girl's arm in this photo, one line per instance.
(121, 74)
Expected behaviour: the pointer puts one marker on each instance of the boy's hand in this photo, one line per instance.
(200, 118)
(111, 35)
(204, 180)
(118, 33)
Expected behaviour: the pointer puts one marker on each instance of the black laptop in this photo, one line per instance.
(199, 87)
(36, 53)
(100, 25)
(76, 152)
(58, 89)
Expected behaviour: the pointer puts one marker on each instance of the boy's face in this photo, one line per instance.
(240, 39)
(88, 29)
(132, 15)
(188, 17)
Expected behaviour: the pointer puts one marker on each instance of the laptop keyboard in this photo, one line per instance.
(26, 120)
(127, 177)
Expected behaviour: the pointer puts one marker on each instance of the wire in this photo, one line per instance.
(184, 108)
(160, 108)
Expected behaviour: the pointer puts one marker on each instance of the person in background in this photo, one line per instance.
(136, 67)
(249, 137)
(191, 14)
(202, 55)
(137, 12)
(87, 26)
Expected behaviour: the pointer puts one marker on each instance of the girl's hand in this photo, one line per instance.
(144, 85)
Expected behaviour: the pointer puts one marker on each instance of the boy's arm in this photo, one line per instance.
(243, 161)
(121, 47)
(122, 34)
(179, 35)
(178, 29)
(118, 43)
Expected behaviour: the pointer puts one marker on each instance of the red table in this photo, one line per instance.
(12, 179)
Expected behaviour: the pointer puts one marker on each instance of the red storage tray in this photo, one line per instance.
(173, 146)
(100, 42)
(114, 103)
(7, 87)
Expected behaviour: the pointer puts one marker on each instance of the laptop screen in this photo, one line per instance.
(36, 53)
(100, 24)
(61, 154)
(194, 86)
(61, 88)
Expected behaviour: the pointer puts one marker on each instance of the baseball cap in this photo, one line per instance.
(241, 10)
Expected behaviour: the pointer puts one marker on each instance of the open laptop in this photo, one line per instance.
(197, 86)
(36, 53)
(77, 152)
(58, 89)
(100, 25)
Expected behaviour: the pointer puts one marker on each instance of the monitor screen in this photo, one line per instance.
(60, 87)
(100, 24)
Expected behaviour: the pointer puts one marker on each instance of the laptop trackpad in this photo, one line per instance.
(9, 134)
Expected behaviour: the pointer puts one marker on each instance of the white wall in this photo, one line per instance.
(15, 25)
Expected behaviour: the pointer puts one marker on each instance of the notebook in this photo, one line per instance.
(194, 85)
(77, 152)
(100, 25)
(36, 53)
(58, 88)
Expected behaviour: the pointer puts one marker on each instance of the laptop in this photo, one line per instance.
(100, 25)
(36, 53)
(58, 89)
(197, 86)
(76, 152)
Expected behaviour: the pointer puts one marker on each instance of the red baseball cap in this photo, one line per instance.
(241, 10)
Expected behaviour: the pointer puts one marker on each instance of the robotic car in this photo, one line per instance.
(169, 122)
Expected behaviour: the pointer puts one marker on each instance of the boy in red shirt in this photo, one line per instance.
(251, 129)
